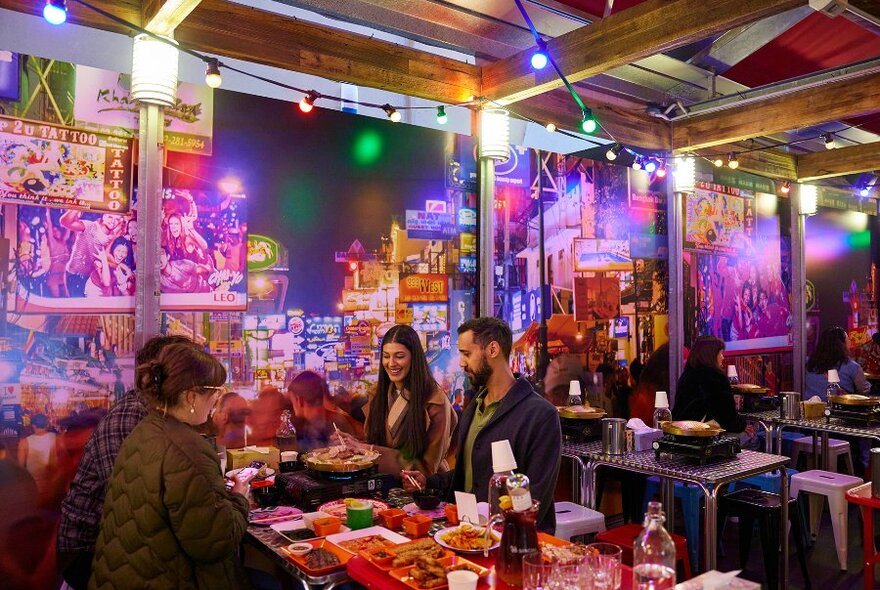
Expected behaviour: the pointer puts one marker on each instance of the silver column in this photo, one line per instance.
(798, 289)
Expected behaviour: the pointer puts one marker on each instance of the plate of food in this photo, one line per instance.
(267, 516)
(467, 538)
(435, 514)
(428, 572)
(337, 508)
(262, 473)
(407, 554)
(362, 541)
(325, 557)
(339, 459)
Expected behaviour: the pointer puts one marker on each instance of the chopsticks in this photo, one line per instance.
(339, 436)
(413, 481)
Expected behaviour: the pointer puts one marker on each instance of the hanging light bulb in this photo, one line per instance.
(650, 166)
(588, 123)
(865, 191)
(308, 102)
(551, 127)
(732, 161)
(830, 144)
(393, 114)
(55, 12)
(637, 163)
(442, 117)
(212, 73)
(612, 153)
(539, 60)
(718, 162)
(661, 171)
(785, 188)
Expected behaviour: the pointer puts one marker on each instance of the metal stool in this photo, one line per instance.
(765, 507)
(836, 448)
(573, 520)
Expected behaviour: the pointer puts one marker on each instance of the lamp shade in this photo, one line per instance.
(154, 71)
(495, 134)
(684, 175)
(809, 199)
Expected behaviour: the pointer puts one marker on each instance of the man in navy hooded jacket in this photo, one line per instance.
(505, 407)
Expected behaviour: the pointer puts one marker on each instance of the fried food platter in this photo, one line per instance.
(340, 459)
(690, 428)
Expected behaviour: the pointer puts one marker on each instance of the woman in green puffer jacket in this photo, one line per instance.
(169, 521)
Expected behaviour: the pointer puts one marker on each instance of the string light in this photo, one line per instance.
(588, 122)
(732, 161)
(550, 127)
(55, 12)
(612, 153)
(212, 73)
(637, 162)
(308, 102)
(865, 191)
(393, 114)
(442, 117)
(718, 162)
(830, 144)
(650, 166)
(661, 171)
(539, 57)
(785, 188)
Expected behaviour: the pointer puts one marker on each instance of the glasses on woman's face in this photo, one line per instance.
(215, 390)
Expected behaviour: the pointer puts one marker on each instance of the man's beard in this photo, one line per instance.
(480, 378)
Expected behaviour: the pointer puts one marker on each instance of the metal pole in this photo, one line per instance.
(798, 291)
(676, 285)
(543, 361)
(487, 237)
(151, 149)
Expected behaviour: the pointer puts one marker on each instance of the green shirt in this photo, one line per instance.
(481, 418)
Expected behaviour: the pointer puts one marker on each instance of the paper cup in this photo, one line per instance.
(502, 456)
(833, 377)
(359, 515)
(462, 580)
(661, 400)
(574, 387)
(731, 371)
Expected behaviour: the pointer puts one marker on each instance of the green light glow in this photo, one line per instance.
(367, 147)
(859, 240)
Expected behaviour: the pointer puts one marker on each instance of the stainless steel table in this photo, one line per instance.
(767, 420)
(825, 427)
(268, 542)
(589, 457)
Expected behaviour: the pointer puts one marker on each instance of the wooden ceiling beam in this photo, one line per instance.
(804, 108)
(163, 17)
(839, 162)
(770, 163)
(867, 8)
(651, 27)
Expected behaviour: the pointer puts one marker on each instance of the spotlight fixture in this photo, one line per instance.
(732, 161)
(308, 102)
(661, 171)
(588, 123)
(650, 166)
(539, 59)
(551, 127)
(392, 113)
(442, 117)
(785, 188)
(830, 144)
(718, 162)
(55, 12)
(212, 73)
(614, 152)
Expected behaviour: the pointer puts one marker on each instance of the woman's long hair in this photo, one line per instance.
(704, 352)
(420, 384)
(177, 369)
(830, 351)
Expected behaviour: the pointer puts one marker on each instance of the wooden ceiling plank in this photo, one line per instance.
(163, 17)
(867, 8)
(646, 29)
(839, 162)
(770, 163)
(805, 108)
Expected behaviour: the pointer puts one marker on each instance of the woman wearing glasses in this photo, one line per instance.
(832, 352)
(169, 521)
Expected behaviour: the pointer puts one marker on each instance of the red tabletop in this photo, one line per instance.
(365, 573)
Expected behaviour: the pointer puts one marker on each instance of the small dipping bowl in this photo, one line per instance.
(299, 548)
(427, 499)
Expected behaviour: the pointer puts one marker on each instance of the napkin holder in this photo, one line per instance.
(644, 439)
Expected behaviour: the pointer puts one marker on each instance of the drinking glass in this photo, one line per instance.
(602, 567)
(567, 575)
(536, 572)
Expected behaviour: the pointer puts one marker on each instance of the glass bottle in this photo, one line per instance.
(732, 376)
(519, 538)
(654, 553)
(661, 409)
(574, 393)
(285, 436)
(498, 488)
(833, 384)
(518, 490)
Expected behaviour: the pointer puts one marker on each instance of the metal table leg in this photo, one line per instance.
(667, 496)
(826, 456)
(783, 531)
(590, 479)
(711, 526)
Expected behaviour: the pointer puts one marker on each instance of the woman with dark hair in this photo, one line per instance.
(409, 419)
(169, 521)
(832, 352)
(703, 392)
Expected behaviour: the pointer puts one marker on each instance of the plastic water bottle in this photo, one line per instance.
(503, 465)
(518, 490)
(833, 384)
(661, 408)
(732, 376)
(574, 393)
(654, 553)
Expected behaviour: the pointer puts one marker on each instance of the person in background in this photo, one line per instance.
(832, 352)
(703, 392)
(868, 355)
(38, 454)
(82, 507)
(314, 422)
(505, 407)
(561, 371)
(169, 521)
(230, 419)
(266, 416)
(653, 378)
(409, 420)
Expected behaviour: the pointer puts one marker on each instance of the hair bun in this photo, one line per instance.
(157, 374)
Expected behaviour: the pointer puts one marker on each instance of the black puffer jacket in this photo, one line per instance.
(704, 394)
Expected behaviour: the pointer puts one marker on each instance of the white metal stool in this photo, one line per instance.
(836, 448)
(833, 486)
(573, 520)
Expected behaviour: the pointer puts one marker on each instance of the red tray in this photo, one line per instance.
(339, 552)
